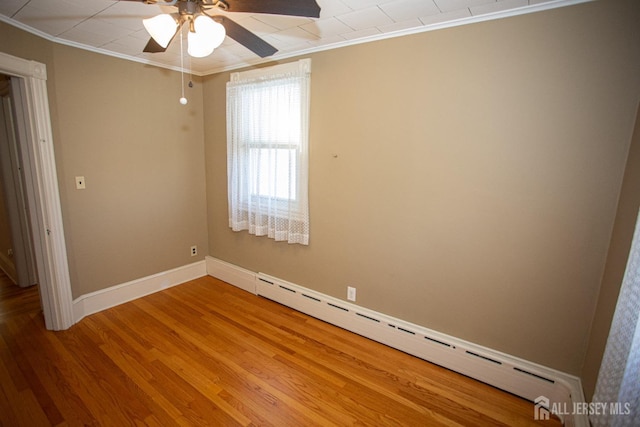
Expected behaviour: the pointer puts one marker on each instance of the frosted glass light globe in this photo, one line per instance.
(161, 28)
(207, 35)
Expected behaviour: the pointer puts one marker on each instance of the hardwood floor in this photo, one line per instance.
(206, 353)
(15, 300)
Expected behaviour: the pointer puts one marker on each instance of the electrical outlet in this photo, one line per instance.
(194, 250)
(351, 293)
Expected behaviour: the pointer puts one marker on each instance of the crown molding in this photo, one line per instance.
(533, 8)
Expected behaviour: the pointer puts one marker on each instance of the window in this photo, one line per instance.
(267, 151)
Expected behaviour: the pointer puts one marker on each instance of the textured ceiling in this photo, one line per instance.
(115, 28)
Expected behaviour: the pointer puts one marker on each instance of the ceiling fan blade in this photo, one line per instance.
(246, 37)
(153, 46)
(307, 8)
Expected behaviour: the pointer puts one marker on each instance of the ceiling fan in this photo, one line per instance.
(206, 32)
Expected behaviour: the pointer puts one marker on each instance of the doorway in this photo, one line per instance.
(16, 243)
(35, 139)
(18, 273)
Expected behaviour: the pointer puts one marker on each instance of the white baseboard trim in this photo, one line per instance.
(232, 274)
(125, 292)
(547, 387)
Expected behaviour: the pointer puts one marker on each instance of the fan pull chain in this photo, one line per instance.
(183, 100)
(190, 72)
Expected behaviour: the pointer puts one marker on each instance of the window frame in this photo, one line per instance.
(293, 206)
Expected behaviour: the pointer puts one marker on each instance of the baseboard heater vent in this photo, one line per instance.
(287, 289)
(534, 375)
(517, 376)
(337, 306)
(367, 317)
(310, 297)
(488, 359)
(439, 342)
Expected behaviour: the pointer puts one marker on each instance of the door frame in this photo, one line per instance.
(36, 141)
(16, 208)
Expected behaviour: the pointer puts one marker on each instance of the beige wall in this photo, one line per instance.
(474, 191)
(477, 176)
(141, 153)
(621, 237)
(119, 124)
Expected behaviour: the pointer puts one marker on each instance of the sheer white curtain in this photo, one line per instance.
(618, 385)
(267, 151)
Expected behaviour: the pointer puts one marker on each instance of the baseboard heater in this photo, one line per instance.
(525, 379)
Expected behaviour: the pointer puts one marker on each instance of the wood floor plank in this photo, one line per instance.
(8, 417)
(161, 407)
(304, 349)
(362, 354)
(27, 335)
(15, 300)
(132, 364)
(207, 353)
(168, 352)
(190, 339)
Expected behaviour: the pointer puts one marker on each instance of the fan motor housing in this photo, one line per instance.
(188, 7)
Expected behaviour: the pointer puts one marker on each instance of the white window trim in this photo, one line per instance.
(301, 65)
(295, 208)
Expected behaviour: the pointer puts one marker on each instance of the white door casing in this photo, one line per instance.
(36, 139)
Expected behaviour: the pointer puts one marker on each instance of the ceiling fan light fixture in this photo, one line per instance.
(161, 28)
(207, 35)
